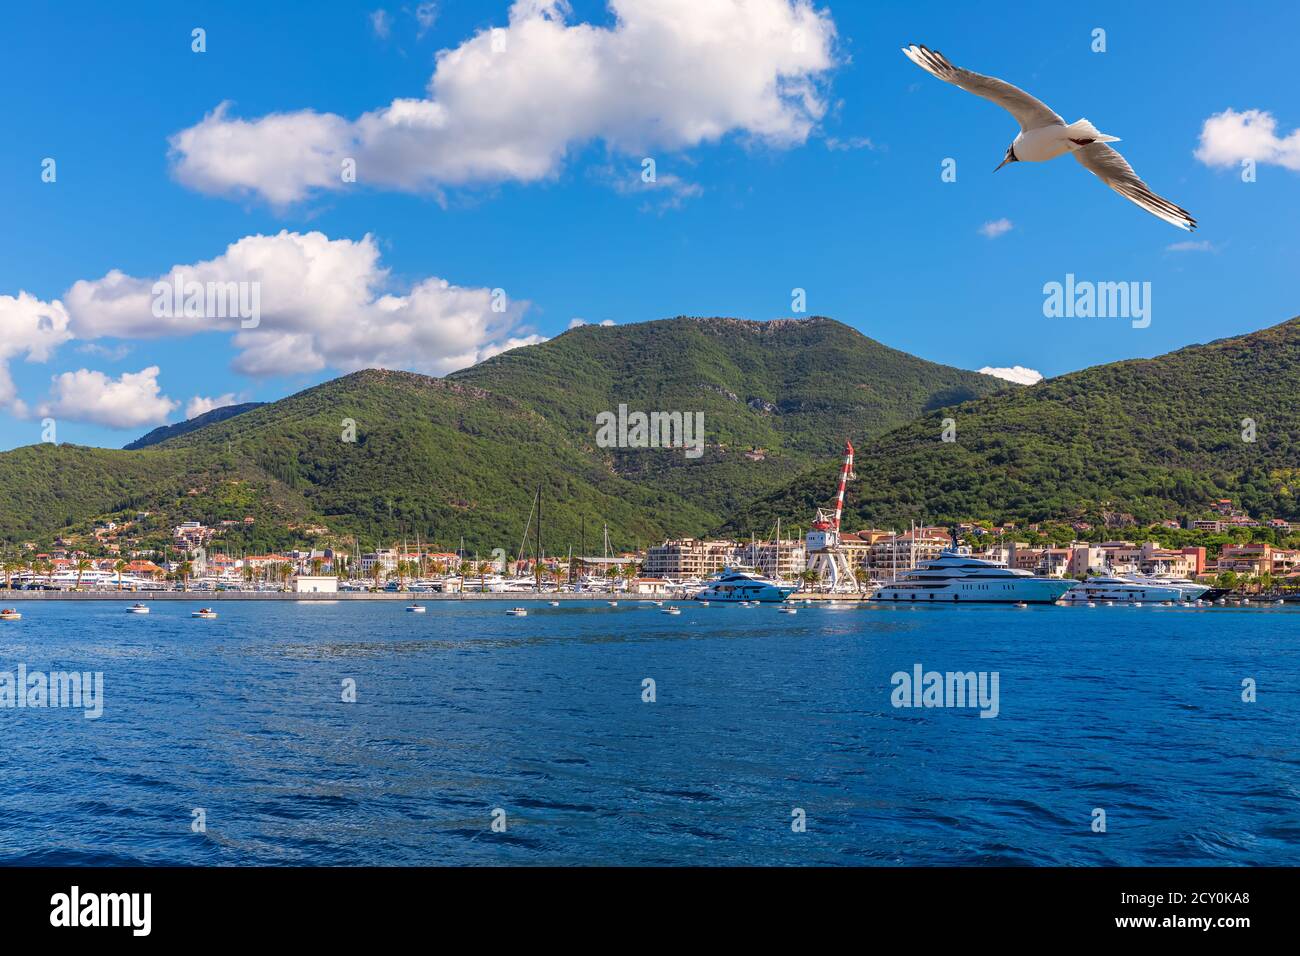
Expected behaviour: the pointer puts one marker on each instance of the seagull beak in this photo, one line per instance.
(1005, 160)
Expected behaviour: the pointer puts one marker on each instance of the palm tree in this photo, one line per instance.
(82, 567)
(483, 569)
(185, 570)
(119, 566)
(10, 568)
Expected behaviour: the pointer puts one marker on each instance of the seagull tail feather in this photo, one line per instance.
(1083, 129)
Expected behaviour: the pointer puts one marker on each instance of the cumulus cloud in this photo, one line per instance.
(1016, 373)
(995, 228)
(132, 401)
(1229, 137)
(324, 303)
(201, 405)
(31, 328)
(510, 103)
(381, 23)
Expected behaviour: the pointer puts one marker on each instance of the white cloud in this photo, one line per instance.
(665, 191)
(995, 228)
(201, 405)
(27, 325)
(132, 401)
(1229, 137)
(837, 145)
(1016, 373)
(509, 104)
(114, 353)
(1192, 245)
(381, 23)
(324, 303)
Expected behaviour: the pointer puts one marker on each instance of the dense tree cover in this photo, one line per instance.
(1151, 439)
(462, 456)
(164, 432)
(796, 389)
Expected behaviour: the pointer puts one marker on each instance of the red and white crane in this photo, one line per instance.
(825, 553)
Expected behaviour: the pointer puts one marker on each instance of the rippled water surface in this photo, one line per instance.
(462, 710)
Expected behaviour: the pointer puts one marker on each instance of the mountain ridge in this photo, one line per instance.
(461, 455)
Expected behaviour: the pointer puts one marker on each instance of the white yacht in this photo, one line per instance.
(957, 576)
(744, 585)
(1188, 588)
(1130, 589)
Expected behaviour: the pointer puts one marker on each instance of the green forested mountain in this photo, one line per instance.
(1152, 438)
(793, 389)
(445, 458)
(164, 432)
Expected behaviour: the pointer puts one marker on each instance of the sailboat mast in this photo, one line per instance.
(537, 557)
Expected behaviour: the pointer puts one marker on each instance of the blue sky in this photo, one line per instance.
(844, 199)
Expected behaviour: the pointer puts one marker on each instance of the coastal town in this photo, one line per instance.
(1225, 549)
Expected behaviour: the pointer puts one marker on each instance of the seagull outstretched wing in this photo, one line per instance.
(1113, 170)
(1030, 113)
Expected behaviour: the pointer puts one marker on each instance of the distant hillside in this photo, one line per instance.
(793, 388)
(461, 456)
(1152, 438)
(164, 432)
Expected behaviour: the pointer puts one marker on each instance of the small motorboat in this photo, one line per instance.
(205, 612)
(612, 603)
(786, 609)
(1021, 604)
(10, 614)
(670, 610)
(1137, 603)
(416, 608)
(555, 604)
(138, 609)
(658, 603)
(517, 612)
(704, 604)
(1092, 604)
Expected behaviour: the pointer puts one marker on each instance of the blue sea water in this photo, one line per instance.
(463, 710)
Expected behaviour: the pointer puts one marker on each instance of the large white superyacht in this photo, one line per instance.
(957, 576)
(744, 584)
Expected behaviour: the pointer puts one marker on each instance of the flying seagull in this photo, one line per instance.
(1044, 135)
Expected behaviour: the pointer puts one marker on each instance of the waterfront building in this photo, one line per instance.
(648, 586)
(688, 558)
(315, 584)
(902, 552)
(774, 559)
